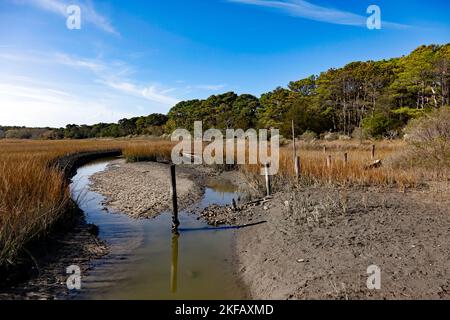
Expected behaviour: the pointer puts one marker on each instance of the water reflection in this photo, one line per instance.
(174, 268)
(147, 261)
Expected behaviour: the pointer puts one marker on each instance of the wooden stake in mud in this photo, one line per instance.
(296, 167)
(373, 151)
(345, 159)
(175, 221)
(329, 162)
(268, 187)
(234, 205)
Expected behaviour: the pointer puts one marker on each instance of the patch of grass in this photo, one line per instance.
(150, 151)
(314, 168)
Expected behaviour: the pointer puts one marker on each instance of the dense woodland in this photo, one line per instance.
(374, 98)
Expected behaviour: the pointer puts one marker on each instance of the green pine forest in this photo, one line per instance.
(373, 98)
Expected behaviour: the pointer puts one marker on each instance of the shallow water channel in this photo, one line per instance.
(146, 261)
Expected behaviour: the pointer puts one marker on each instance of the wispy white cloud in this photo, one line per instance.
(189, 89)
(150, 93)
(99, 90)
(88, 13)
(307, 10)
(115, 75)
(91, 64)
(209, 87)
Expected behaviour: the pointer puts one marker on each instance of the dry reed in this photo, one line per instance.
(33, 194)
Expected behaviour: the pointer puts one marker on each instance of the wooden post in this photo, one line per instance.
(345, 159)
(373, 151)
(296, 167)
(174, 267)
(329, 161)
(175, 222)
(268, 186)
(325, 149)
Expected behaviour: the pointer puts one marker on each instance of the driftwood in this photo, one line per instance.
(258, 201)
(375, 164)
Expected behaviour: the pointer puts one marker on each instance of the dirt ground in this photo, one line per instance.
(318, 244)
(51, 258)
(142, 190)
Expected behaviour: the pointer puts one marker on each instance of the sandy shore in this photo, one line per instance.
(318, 244)
(142, 190)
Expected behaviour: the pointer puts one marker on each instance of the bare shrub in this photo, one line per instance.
(358, 134)
(331, 136)
(429, 139)
(308, 136)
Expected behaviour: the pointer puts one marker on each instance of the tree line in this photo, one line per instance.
(153, 124)
(375, 98)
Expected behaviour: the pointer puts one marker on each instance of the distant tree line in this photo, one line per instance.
(153, 124)
(375, 98)
(149, 125)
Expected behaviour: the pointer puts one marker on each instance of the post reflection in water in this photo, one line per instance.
(174, 268)
(144, 258)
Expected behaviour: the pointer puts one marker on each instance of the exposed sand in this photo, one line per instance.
(142, 190)
(319, 244)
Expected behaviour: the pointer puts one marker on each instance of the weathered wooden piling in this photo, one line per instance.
(234, 204)
(329, 160)
(173, 180)
(294, 151)
(268, 186)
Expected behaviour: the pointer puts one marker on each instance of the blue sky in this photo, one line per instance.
(134, 58)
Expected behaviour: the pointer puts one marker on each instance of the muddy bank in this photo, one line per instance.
(40, 272)
(79, 246)
(142, 190)
(318, 243)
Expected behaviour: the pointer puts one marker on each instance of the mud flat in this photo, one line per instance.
(142, 190)
(318, 244)
(78, 246)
